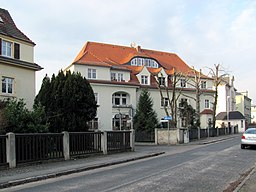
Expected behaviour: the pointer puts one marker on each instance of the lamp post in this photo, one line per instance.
(228, 98)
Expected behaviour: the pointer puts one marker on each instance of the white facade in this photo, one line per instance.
(226, 96)
(119, 77)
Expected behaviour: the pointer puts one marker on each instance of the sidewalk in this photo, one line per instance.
(36, 172)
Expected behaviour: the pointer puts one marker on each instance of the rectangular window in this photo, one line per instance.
(119, 99)
(206, 104)
(113, 76)
(16, 51)
(242, 124)
(91, 73)
(7, 85)
(161, 80)
(6, 48)
(203, 85)
(120, 77)
(144, 80)
(183, 83)
(164, 102)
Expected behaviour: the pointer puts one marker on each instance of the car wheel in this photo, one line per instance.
(242, 146)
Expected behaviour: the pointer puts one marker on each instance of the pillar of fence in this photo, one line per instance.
(132, 140)
(10, 150)
(104, 142)
(66, 151)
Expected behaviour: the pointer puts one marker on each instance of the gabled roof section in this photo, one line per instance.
(8, 27)
(233, 115)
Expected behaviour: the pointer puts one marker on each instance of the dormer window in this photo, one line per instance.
(144, 62)
(161, 81)
(144, 80)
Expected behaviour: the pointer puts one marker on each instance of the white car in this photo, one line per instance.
(248, 138)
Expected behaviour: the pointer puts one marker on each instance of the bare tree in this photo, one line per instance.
(218, 76)
(174, 96)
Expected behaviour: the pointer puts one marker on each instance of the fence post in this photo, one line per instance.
(104, 143)
(66, 150)
(198, 133)
(132, 139)
(10, 150)
(156, 136)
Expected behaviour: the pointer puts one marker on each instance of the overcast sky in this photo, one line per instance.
(201, 32)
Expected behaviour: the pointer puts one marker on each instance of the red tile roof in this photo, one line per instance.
(101, 54)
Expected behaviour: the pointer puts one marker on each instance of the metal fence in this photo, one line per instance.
(84, 143)
(3, 160)
(203, 133)
(37, 147)
(144, 136)
(118, 141)
(193, 134)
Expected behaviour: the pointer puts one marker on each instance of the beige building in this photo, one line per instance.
(118, 74)
(17, 67)
(243, 104)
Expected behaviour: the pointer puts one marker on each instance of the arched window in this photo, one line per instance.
(144, 62)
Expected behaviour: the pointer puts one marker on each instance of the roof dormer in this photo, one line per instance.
(142, 61)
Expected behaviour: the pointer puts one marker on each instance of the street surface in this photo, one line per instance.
(183, 168)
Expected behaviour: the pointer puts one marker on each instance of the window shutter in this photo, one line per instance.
(0, 46)
(16, 51)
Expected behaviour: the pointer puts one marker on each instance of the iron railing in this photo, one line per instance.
(118, 141)
(203, 133)
(37, 147)
(193, 134)
(84, 143)
(3, 160)
(144, 136)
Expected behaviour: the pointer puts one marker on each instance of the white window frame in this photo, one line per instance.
(207, 104)
(6, 48)
(113, 76)
(203, 84)
(164, 102)
(122, 97)
(8, 84)
(92, 73)
(183, 83)
(161, 81)
(120, 77)
(144, 79)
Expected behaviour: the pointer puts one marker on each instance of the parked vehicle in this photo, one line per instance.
(248, 138)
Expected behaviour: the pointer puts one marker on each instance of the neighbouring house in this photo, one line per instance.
(17, 67)
(118, 74)
(253, 114)
(243, 104)
(226, 95)
(232, 118)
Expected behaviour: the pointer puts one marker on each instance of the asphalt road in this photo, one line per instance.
(202, 168)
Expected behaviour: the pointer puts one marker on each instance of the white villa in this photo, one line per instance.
(117, 75)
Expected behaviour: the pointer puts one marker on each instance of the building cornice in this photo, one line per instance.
(19, 63)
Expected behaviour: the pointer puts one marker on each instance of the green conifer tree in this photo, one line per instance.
(145, 118)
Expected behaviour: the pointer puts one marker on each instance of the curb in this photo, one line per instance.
(71, 171)
(243, 182)
(214, 141)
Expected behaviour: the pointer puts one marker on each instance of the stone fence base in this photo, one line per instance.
(176, 136)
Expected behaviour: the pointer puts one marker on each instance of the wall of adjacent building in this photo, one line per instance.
(24, 83)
